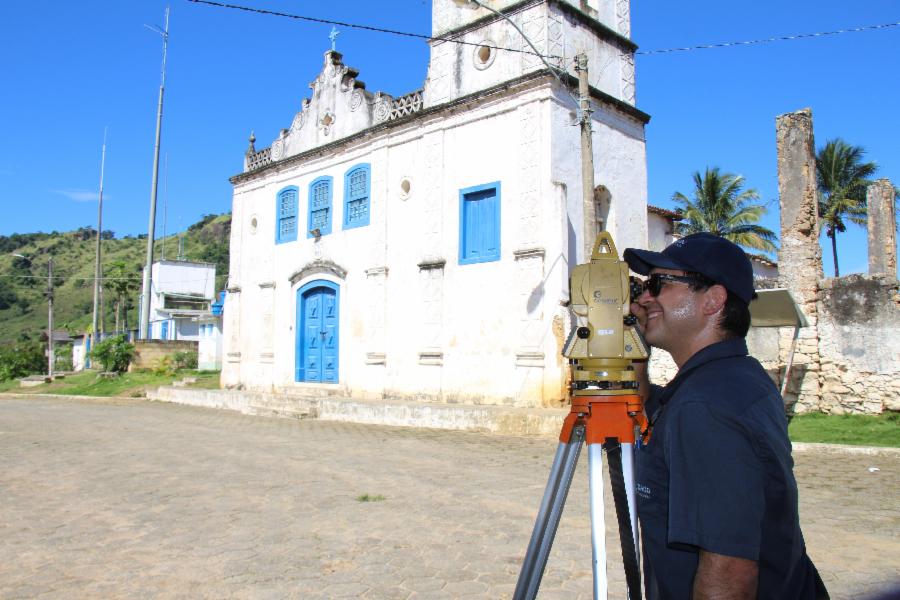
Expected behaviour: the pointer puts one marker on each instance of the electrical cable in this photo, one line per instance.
(364, 27)
(783, 38)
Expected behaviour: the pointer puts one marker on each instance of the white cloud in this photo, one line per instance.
(79, 195)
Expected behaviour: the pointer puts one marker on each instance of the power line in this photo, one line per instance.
(366, 27)
(64, 277)
(799, 36)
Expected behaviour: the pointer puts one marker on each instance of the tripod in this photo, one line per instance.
(606, 413)
(607, 420)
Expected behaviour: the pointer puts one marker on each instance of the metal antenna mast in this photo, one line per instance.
(147, 283)
(95, 331)
(165, 203)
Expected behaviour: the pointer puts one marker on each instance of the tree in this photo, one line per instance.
(842, 178)
(21, 359)
(114, 354)
(722, 207)
(121, 281)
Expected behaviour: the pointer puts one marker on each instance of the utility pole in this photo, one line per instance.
(95, 331)
(144, 332)
(51, 358)
(589, 207)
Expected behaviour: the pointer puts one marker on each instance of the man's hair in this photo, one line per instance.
(735, 319)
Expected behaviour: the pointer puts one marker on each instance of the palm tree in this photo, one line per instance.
(842, 178)
(720, 206)
(120, 280)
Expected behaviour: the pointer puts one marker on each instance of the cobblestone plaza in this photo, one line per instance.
(135, 499)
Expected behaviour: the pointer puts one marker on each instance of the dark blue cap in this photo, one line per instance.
(712, 256)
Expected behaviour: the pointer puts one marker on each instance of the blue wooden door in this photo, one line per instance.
(317, 334)
(164, 330)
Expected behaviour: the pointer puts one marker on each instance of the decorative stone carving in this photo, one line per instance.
(318, 267)
(628, 87)
(356, 99)
(277, 150)
(326, 122)
(299, 121)
(623, 13)
(406, 105)
(382, 107)
(532, 24)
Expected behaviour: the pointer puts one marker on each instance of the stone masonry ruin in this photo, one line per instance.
(848, 359)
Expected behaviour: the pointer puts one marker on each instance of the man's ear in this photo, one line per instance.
(714, 299)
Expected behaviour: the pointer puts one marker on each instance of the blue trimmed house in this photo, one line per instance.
(419, 247)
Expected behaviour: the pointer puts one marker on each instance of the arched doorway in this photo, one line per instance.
(317, 332)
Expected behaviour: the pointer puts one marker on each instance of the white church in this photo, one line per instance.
(419, 247)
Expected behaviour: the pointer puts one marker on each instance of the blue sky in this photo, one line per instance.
(71, 69)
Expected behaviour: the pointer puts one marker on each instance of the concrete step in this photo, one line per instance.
(498, 419)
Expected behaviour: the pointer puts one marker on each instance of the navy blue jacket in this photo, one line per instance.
(717, 475)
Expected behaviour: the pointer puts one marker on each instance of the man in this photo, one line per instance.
(717, 499)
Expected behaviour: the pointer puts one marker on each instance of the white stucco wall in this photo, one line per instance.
(659, 232)
(413, 321)
(471, 333)
(459, 69)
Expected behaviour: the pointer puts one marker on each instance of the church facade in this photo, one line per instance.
(419, 247)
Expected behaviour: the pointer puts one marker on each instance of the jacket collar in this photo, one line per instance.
(723, 349)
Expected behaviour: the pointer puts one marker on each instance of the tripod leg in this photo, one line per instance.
(622, 484)
(628, 476)
(548, 516)
(598, 520)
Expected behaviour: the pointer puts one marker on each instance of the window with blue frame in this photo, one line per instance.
(479, 223)
(356, 196)
(286, 217)
(319, 207)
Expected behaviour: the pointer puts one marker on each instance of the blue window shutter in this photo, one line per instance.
(320, 206)
(357, 201)
(479, 222)
(286, 215)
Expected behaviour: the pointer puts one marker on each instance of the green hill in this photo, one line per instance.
(23, 281)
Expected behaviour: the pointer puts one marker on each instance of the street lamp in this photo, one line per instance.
(50, 353)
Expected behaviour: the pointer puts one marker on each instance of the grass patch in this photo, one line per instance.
(9, 386)
(131, 385)
(370, 498)
(860, 430)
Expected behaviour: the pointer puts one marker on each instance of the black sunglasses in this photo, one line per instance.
(656, 281)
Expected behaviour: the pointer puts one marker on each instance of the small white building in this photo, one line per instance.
(209, 350)
(661, 227)
(181, 292)
(420, 247)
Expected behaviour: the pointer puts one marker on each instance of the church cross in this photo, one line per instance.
(333, 36)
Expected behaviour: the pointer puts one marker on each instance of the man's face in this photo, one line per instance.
(674, 316)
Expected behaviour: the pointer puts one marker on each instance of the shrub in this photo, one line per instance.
(164, 366)
(185, 360)
(114, 354)
(21, 359)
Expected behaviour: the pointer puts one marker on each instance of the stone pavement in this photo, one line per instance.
(120, 498)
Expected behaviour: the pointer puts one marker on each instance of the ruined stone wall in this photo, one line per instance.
(859, 344)
(800, 256)
(848, 359)
(882, 228)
